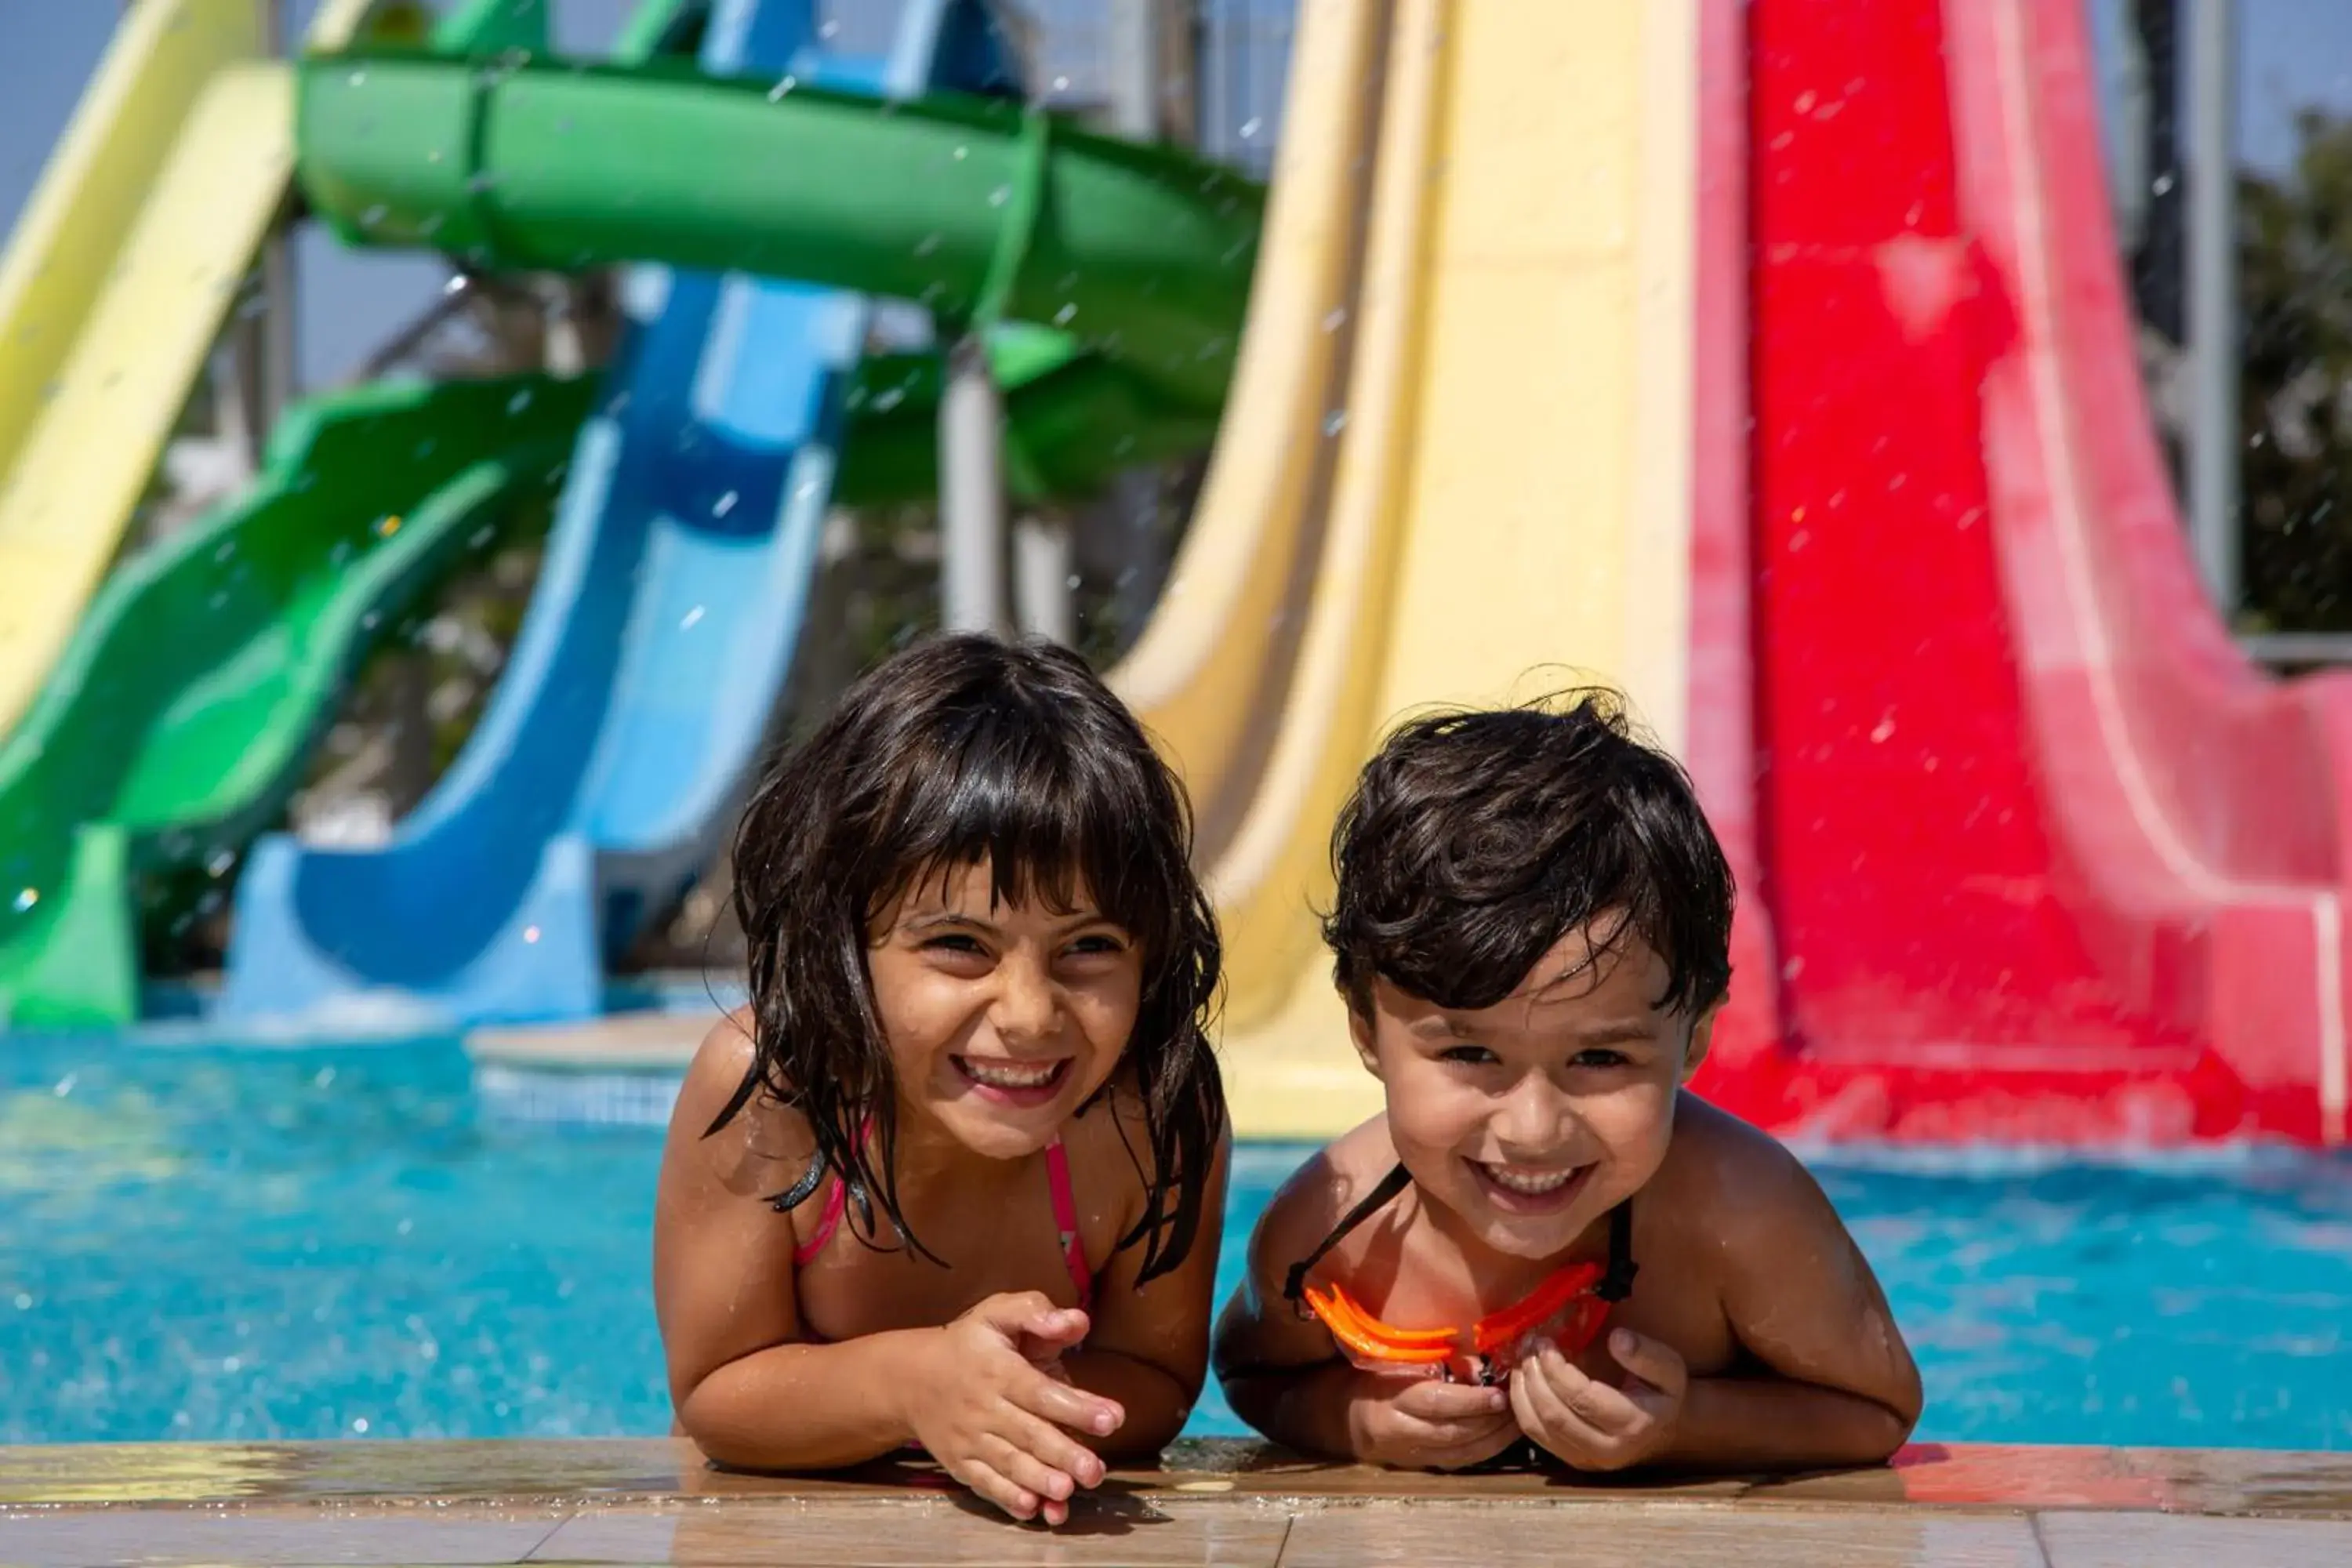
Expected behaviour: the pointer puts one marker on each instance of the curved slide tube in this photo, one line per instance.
(1511, 490)
(1207, 677)
(2045, 857)
(178, 720)
(117, 279)
(648, 670)
(990, 209)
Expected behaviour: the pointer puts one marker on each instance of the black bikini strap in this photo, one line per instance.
(1395, 1182)
(1617, 1281)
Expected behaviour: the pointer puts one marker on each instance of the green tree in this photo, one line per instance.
(2295, 251)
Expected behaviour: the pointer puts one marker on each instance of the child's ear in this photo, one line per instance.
(1702, 1035)
(1360, 1029)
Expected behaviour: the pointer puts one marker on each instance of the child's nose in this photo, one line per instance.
(1026, 1005)
(1535, 1117)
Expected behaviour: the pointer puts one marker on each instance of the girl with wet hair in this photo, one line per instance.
(953, 1178)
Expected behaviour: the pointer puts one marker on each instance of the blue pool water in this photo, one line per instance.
(205, 1243)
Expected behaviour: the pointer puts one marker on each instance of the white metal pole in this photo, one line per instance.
(2212, 298)
(971, 494)
(1133, 35)
(274, 343)
(1043, 566)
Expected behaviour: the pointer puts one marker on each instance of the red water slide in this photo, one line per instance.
(2030, 852)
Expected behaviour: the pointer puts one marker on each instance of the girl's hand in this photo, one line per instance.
(992, 1416)
(1591, 1425)
(1421, 1424)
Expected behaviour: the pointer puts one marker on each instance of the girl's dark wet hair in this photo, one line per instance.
(1476, 840)
(958, 749)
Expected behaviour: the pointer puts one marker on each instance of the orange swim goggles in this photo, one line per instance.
(1568, 1309)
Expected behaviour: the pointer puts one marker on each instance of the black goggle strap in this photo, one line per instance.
(1617, 1281)
(1294, 1286)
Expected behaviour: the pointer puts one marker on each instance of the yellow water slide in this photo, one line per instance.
(1509, 507)
(1205, 675)
(114, 287)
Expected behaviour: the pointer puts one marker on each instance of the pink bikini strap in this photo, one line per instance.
(835, 1201)
(1066, 1221)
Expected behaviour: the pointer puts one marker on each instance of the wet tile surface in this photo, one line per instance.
(655, 1502)
(2165, 1541)
(1645, 1535)
(2249, 1480)
(2014, 1477)
(163, 1536)
(1120, 1528)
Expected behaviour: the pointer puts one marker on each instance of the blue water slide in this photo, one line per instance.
(618, 746)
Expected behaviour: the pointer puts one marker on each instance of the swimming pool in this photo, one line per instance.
(199, 1243)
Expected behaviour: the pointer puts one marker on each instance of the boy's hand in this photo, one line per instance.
(1591, 1425)
(988, 1406)
(1424, 1425)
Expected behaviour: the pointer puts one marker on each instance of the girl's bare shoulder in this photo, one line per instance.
(730, 1126)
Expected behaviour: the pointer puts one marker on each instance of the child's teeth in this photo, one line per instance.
(1532, 1182)
(1006, 1075)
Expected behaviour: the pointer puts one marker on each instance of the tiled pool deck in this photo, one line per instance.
(654, 1501)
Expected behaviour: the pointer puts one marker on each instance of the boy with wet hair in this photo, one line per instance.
(1546, 1237)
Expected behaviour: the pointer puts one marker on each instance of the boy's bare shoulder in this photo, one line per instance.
(1310, 1202)
(1736, 1181)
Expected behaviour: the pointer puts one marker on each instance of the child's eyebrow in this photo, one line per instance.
(931, 919)
(1626, 1032)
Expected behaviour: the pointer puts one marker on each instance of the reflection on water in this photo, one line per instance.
(203, 1244)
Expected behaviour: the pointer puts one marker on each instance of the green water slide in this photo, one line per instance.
(980, 210)
(178, 722)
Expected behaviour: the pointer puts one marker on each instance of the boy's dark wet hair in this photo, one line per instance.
(958, 749)
(1476, 840)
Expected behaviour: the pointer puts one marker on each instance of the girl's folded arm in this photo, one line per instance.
(1148, 1347)
(744, 1386)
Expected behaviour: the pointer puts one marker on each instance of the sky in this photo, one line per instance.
(2293, 53)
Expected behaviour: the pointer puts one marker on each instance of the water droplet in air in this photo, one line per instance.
(26, 898)
(999, 197)
(1335, 421)
(1062, 317)
(1250, 127)
(783, 86)
(723, 505)
(687, 620)
(530, 933)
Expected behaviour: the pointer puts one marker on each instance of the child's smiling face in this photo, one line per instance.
(1002, 1018)
(1531, 1118)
